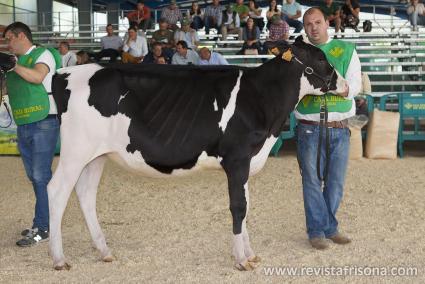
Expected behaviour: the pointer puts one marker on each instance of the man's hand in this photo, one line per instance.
(345, 92)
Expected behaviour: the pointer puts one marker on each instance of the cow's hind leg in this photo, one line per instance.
(237, 175)
(86, 189)
(59, 190)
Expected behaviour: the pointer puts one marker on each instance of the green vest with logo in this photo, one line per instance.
(338, 53)
(29, 102)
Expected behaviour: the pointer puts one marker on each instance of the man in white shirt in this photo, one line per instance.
(135, 47)
(323, 161)
(68, 57)
(416, 12)
(29, 86)
(184, 56)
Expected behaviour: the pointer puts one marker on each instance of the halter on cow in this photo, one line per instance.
(171, 120)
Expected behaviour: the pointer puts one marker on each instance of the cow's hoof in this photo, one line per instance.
(65, 266)
(108, 258)
(245, 266)
(254, 259)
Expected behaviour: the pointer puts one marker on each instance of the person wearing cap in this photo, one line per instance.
(172, 14)
(184, 55)
(141, 17)
(278, 34)
(211, 58)
(186, 33)
(163, 35)
(230, 23)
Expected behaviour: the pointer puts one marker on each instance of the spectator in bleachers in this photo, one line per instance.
(332, 12)
(213, 16)
(163, 35)
(141, 17)
(231, 23)
(83, 57)
(251, 38)
(416, 12)
(186, 33)
(68, 57)
(153, 57)
(135, 47)
(255, 13)
(350, 15)
(173, 14)
(242, 10)
(278, 34)
(211, 58)
(184, 55)
(291, 12)
(273, 10)
(196, 16)
(111, 45)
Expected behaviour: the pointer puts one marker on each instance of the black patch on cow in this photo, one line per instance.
(171, 108)
(106, 88)
(60, 92)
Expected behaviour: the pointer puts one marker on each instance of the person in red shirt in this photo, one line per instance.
(141, 17)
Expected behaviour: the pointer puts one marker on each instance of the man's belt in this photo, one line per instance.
(329, 124)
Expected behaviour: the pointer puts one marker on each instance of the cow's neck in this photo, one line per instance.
(276, 94)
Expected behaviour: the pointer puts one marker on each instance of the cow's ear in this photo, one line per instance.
(287, 55)
(299, 39)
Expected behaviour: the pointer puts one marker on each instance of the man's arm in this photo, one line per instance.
(35, 75)
(353, 77)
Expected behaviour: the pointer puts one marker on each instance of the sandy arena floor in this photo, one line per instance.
(179, 230)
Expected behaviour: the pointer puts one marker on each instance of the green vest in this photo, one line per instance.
(338, 53)
(29, 102)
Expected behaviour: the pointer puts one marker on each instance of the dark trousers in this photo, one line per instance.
(109, 52)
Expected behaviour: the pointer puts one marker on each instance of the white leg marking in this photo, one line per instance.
(59, 189)
(245, 258)
(86, 189)
(229, 110)
(258, 161)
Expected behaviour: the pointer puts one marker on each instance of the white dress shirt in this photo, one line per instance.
(137, 48)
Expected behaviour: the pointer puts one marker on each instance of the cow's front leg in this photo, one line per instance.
(237, 175)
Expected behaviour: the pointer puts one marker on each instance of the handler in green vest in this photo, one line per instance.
(34, 111)
(322, 199)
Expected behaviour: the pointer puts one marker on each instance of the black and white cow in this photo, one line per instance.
(171, 120)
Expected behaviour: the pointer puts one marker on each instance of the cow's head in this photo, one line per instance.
(7, 62)
(318, 75)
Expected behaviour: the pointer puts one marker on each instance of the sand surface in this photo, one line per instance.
(179, 230)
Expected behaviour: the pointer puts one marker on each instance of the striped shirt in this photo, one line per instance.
(216, 12)
(279, 31)
(172, 16)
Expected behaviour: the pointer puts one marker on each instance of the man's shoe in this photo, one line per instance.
(27, 231)
(340, 239)
(318, 243)
(33, 237)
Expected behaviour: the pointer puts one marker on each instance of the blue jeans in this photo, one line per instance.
(36, 143)
(210, 24)
(321, 205)
(416, 19)
(297, 25)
